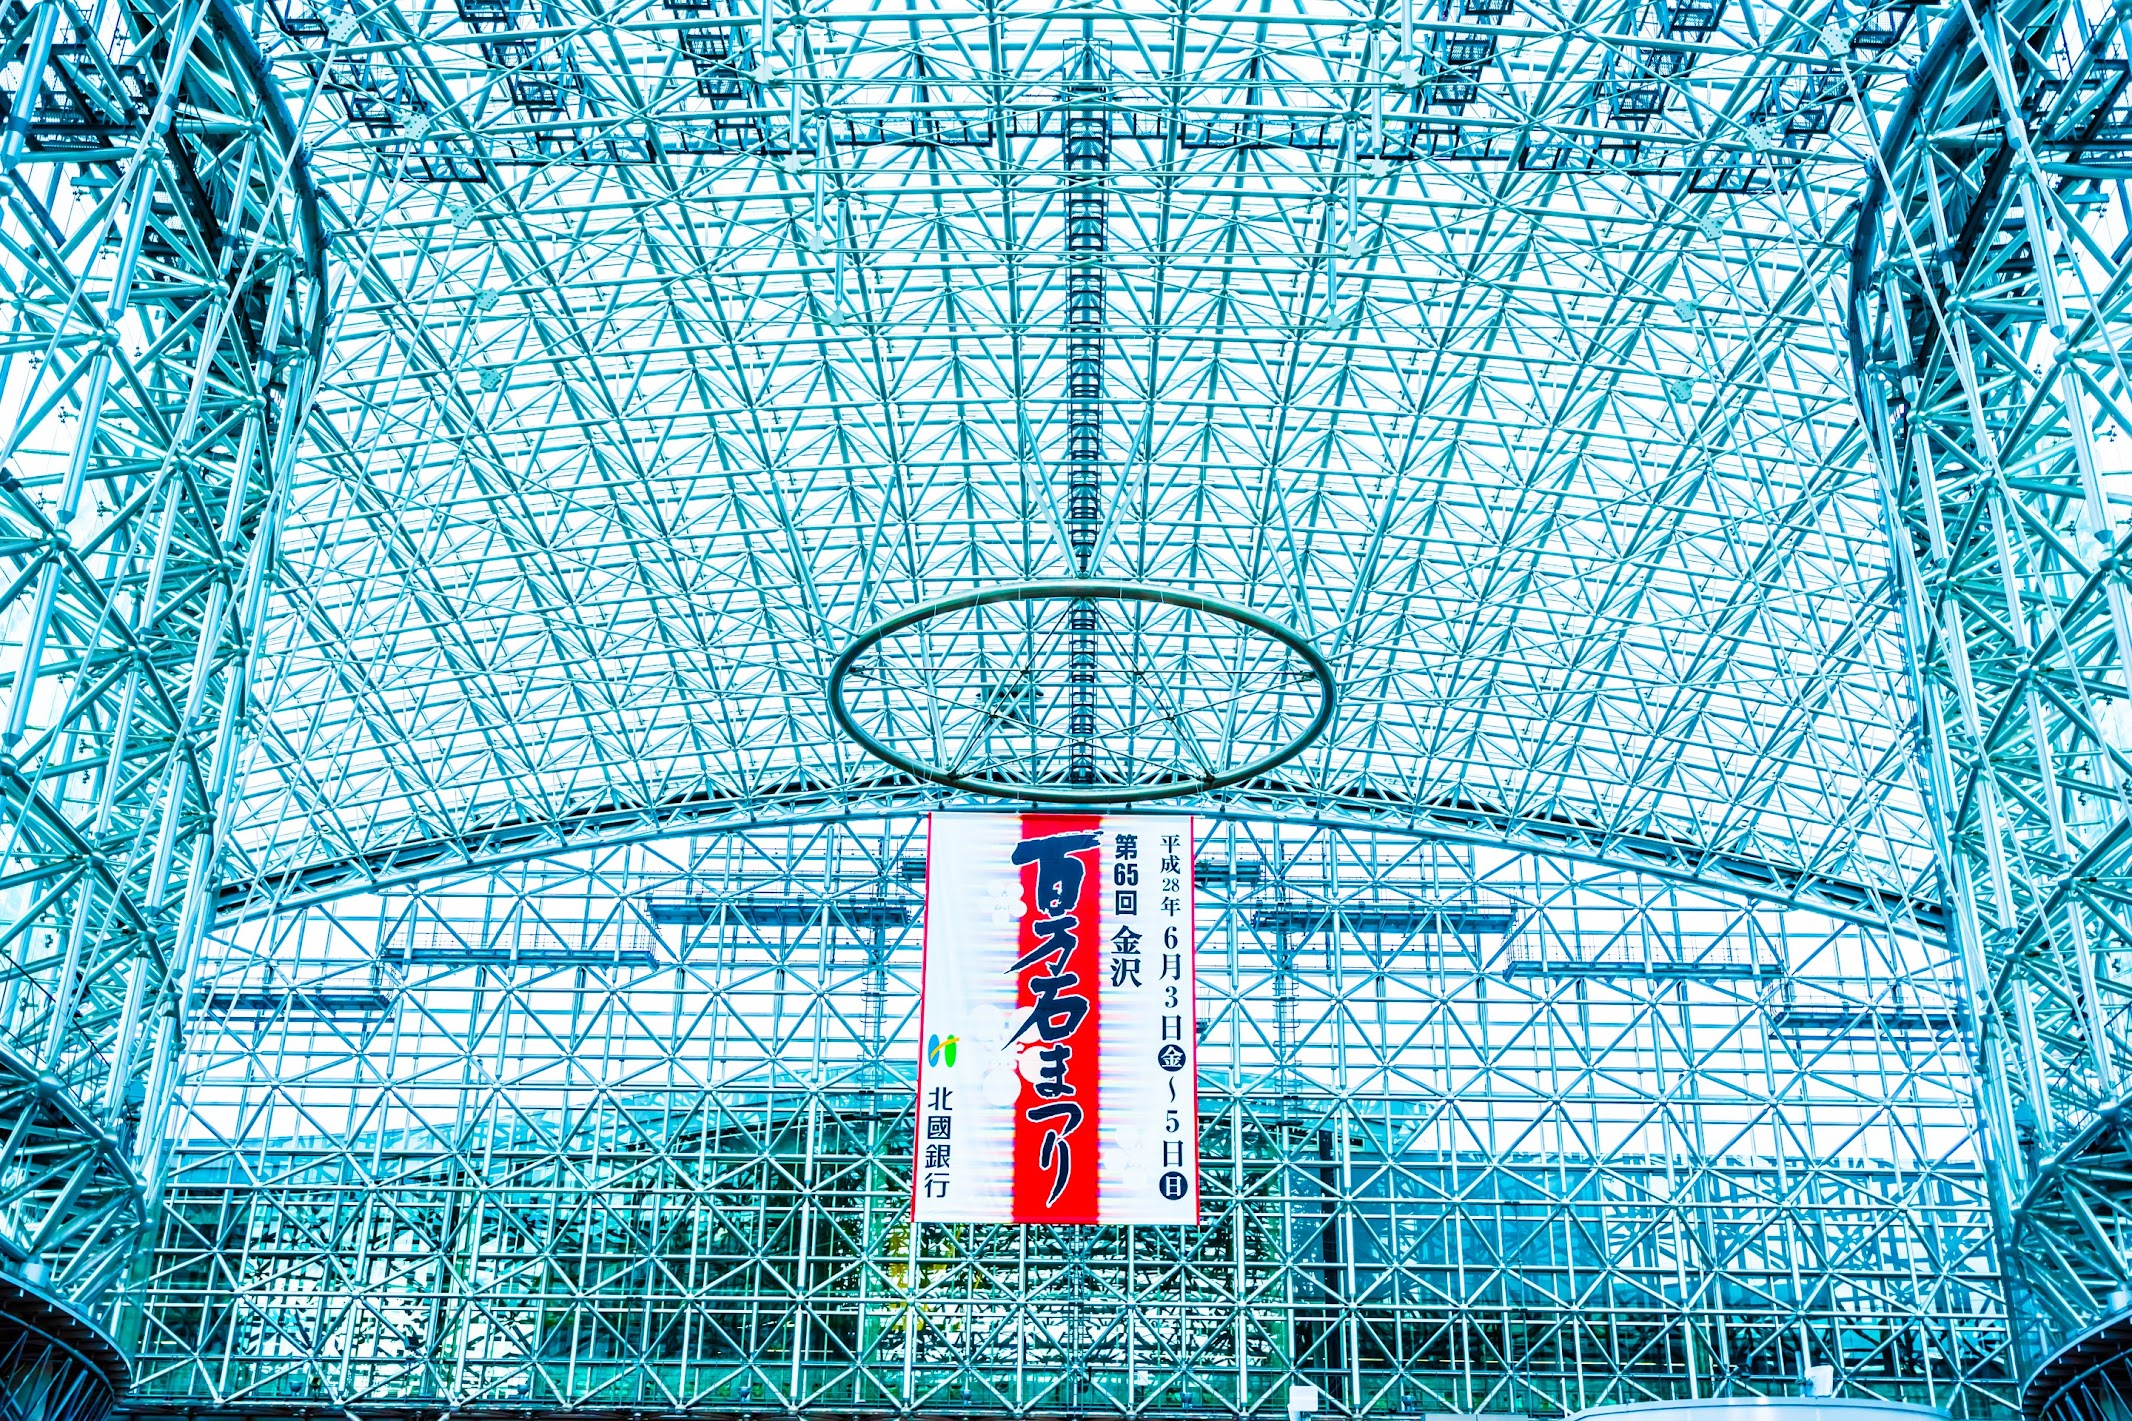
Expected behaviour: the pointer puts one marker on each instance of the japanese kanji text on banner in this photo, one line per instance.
(1059, 1077)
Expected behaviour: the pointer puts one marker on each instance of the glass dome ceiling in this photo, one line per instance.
(1494, 348)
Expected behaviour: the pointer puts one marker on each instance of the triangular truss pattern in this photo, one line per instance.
(161, 260)
(1500, 360)
(1480, 1131)
(1577, 1027)
(1989, 318)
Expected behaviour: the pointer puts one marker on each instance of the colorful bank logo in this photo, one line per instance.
(940, 1050)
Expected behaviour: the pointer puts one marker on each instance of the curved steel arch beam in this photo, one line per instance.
(233, 28)
(1986, 328)
(174, 296)
(505, 842)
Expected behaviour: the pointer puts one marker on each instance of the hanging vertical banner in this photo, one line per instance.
(1058, 1076)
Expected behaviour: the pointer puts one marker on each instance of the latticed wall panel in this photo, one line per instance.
(1480, 1133)
(764, 1254)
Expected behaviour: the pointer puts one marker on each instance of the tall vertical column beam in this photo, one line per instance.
(1086, 157)
(137, 509)
(1989, 320)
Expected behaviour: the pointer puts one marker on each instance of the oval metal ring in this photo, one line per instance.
(1082, 590)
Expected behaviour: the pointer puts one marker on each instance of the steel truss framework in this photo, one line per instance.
(160, 258)
(1492, 351)
(56, 1364)
(632, 1132)
(1493, 345)
(1989, 319)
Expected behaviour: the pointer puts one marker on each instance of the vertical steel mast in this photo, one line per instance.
(1991, 309)
(162, 246)
(1086, 154)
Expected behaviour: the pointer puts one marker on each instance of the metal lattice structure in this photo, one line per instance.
(1482, 1132)
(164, 319)
(683, 344)
(1988, 322)
(1498, 350)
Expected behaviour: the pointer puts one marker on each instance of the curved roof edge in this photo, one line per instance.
(611, 825)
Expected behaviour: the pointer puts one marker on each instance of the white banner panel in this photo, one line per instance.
(1059, 1060)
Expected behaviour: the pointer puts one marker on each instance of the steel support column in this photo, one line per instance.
(1991, 304)
(160, 248)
